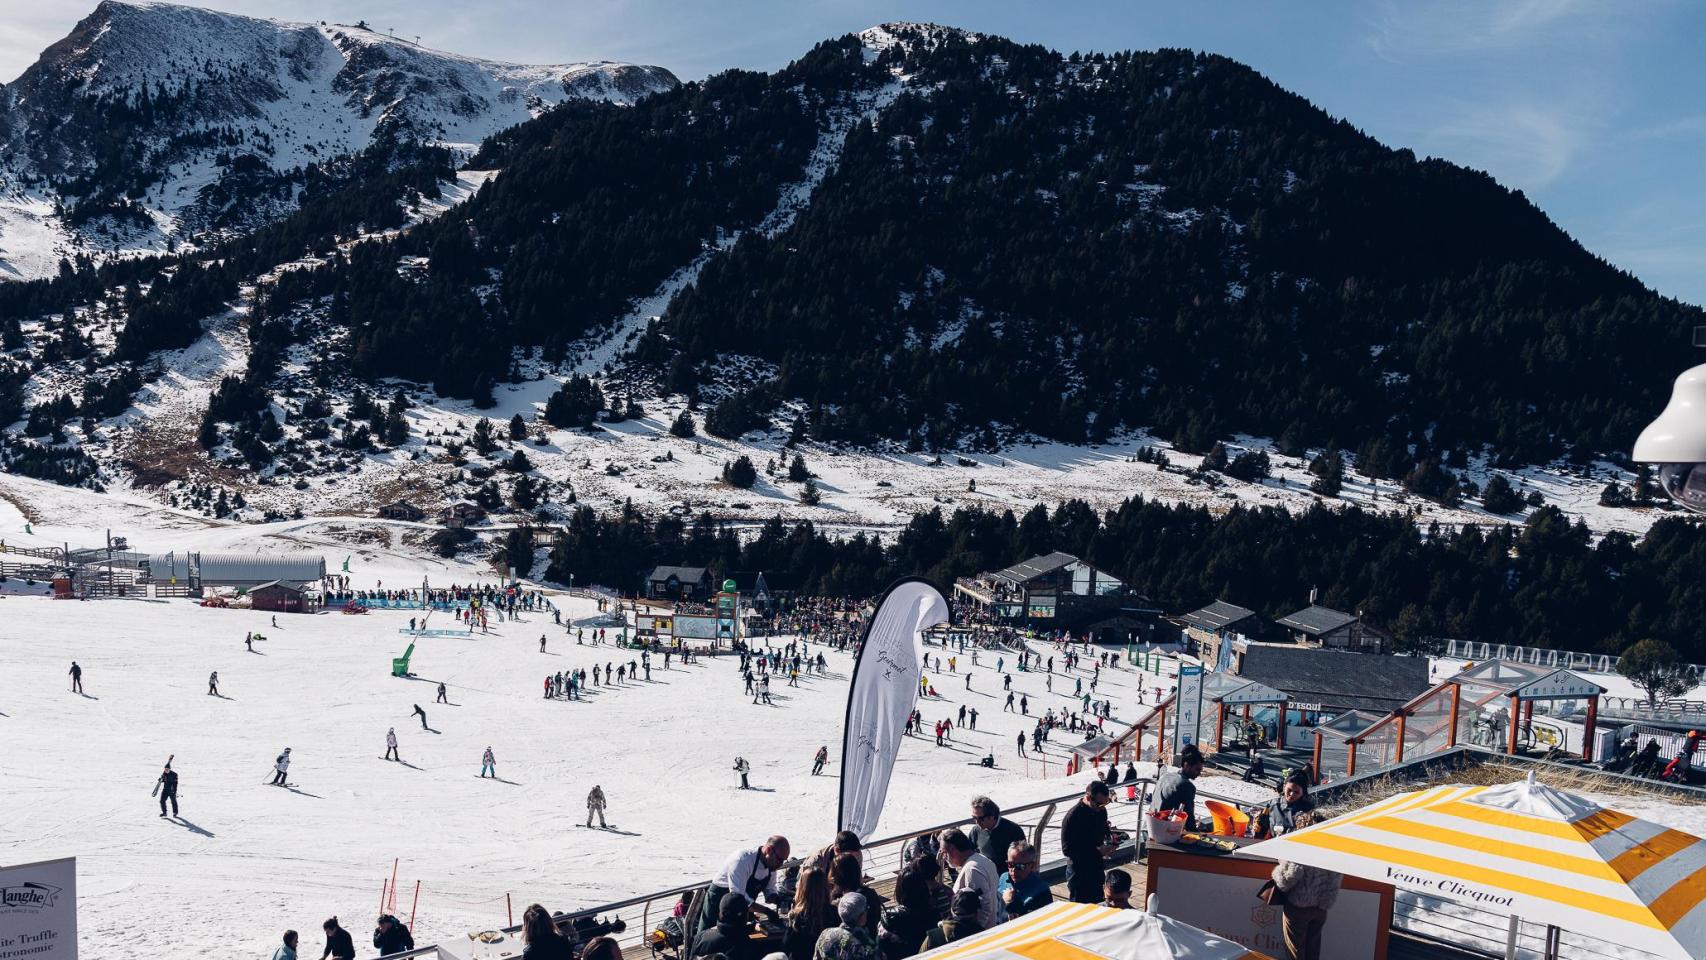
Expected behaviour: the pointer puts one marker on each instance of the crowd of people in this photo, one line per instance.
(765, 904)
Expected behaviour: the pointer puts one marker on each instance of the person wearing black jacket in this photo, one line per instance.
(730, 937)
(390, 936)
(1084, 840)
(904, 926)
(169, 790)
(339, 946)
(992, 833)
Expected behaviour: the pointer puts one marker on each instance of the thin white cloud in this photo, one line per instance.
(1521, 144)
(1405, 32)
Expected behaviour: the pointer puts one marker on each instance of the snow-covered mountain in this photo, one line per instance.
(152, 124)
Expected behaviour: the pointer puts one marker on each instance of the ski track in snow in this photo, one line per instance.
(602, 349)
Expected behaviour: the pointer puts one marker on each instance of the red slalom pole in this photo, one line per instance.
(412, 906)
(394, 882)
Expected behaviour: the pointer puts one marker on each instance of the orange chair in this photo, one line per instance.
(1229, 821)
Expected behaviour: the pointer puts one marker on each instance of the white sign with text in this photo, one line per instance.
(38, 911)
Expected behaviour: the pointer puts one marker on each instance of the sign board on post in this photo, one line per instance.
(1190, 706)
(38, 910)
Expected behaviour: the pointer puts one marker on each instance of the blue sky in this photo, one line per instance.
(1596, 110)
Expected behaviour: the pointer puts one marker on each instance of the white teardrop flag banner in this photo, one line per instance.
(881, 696)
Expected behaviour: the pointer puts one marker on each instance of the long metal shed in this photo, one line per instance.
(237, 569)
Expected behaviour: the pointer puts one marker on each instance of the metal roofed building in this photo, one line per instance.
(235, 569)
(1054, 589)
(1325, 627)
(1215, 632)
(679, 583)
(1333, 680)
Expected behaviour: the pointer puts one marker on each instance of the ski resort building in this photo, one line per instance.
(244, 570)
(679, 583)
(279, 596)
(1336, 630)
(1052, 590)
(1326, 681)
(1214, 632)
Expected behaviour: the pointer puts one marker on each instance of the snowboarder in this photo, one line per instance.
(167, 786)
(595, 804)
(213, 684)
(422, 714)
(76, 678)
(391, 745)
(281, 767)
(819, 760)
(743, 768)
(442, 698)
(488, 764)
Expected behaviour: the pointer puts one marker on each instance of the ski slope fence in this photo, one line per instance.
(1543, 657)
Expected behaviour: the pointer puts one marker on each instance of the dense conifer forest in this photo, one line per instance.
(1542, 583)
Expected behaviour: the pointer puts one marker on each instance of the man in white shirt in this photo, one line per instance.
(976, 872)
(749, 872)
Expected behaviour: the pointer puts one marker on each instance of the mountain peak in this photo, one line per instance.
(911, 36)
(138, 122)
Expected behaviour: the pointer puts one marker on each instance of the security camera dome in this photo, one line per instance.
(1676, 442)
(1679, 433)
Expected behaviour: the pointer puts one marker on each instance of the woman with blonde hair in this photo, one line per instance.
(810, 915)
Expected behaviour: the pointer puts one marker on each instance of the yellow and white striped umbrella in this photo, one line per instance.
(1524, 850)
(1087, 931)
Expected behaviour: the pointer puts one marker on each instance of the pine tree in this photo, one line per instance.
(809, 494)
(482, 439)
(741, 473)
(524, 494)
(682, 426)
(1215, 459)
(517, 428)
(1329, 472)
(1500, 497)
(797, 471)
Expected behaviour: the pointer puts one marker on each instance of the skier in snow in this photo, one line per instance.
(595, 804)
(391, 745)
(213, 684)
(281, 767)
(1021, 743)
(819, 760)
(743, 768)
(168, 787)
(442, 698)
(76, 678)
(422, 714)
(488, 764)
(764, 689)
(275, 621)
(249, 641)
(541, 643)
(974, 718)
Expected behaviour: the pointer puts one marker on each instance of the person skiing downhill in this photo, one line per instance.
(422, 714)
(76, 678)
(743, 768)
(281, 766)
(595, 804)
(819, 760)
(391, 745)
(213, 684)
(488, 764)
(442, 698)
(167, 786)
